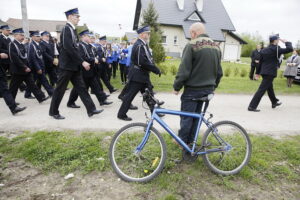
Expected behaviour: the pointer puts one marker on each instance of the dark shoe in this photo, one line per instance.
(58, 117)
(253, 109)
(132, 107)
(120, 97)
(73, 105)
(187, 157)
(125, 118)
(17, 104)
(160, 103)
(105, 103)
(113, 90)
(44, 99)
(30, 97)
(95, 112)
(18, 109)
(277, 104)
(107, 95)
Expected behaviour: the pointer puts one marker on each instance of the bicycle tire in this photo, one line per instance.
(209, 161)
(113, 153)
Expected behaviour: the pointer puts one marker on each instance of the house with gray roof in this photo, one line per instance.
(176, 17)
(52, 26)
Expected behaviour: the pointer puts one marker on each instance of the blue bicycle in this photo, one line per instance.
(138, 151)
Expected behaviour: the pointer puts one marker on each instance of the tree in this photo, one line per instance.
(252, 40)
(150, 18)
(124, 38)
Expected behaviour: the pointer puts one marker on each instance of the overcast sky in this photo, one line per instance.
(104, 16)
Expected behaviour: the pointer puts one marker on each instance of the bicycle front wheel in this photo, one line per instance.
(226, 161)
(135, 166)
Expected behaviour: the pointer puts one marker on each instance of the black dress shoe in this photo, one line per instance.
(44, 99)
(73, 105)
(30, 97)
(276, 104)
(253, 109)
(120, 97)
(18, 109)
(58, 117)
(132, 107)
(113, 90)
(160, 103)
(105, 103)
(95, 112)
(126, 118)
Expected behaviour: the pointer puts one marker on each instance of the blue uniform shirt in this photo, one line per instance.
(128, 62)
(123, 57)
(109, 57)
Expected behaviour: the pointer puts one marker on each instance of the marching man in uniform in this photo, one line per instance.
(70, 66)
(139, 75)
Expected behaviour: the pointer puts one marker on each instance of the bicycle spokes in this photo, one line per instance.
(229, 148)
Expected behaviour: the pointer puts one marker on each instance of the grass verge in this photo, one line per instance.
(236, 82)
(275, 164)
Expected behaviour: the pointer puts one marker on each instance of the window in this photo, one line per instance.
(175, 40)
(194, 17)
(163, 39)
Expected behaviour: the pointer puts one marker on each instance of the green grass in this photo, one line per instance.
(273, 162)
(232, 84)
(57, 151)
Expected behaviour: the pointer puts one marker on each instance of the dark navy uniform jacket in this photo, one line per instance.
(254, 56)
(18, 58)
(35, 57)
(269, 62)
(142, 63)
(4, 47)
(87, 54)
(69, 58)
(48, 53)
(2, 72)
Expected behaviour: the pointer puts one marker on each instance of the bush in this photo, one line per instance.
(236, 71)
(227, 71)
(243, 72)
(174, 70)
(280, 74)
(163, 69)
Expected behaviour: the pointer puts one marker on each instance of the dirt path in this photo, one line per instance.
(283, 120)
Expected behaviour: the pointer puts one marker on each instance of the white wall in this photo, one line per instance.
(231, 49)
(171, 32)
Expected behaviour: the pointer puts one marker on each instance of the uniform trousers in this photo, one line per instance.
(266, 85)
(17, 80)
(76, 79)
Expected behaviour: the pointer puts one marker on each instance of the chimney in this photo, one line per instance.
(199, 5)
(180, 4)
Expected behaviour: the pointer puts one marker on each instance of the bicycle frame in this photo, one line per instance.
(198, 116)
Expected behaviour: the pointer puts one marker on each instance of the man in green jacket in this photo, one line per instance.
(199, 73)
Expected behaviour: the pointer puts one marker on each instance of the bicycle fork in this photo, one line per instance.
(145, 139)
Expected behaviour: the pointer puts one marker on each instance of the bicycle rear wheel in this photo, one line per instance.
(132, 166)
(227, 162)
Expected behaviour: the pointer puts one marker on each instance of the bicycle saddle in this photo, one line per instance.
(205, 98)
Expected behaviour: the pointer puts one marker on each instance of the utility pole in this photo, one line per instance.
(24, 17)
